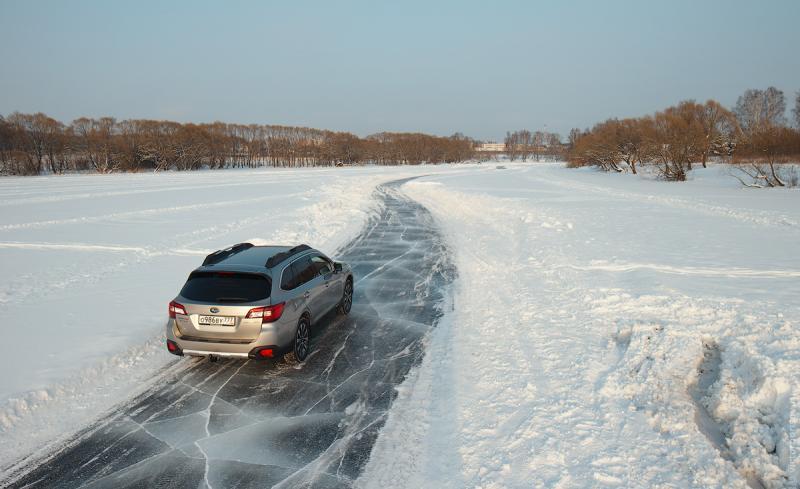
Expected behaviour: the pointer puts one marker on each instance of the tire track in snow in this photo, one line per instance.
(760, 218)
(92, 248)
(142, 213)
(50, 198)
(603, 266)
(66, 196)
(57, 279)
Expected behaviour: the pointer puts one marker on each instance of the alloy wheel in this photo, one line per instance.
(347, 300)
(301, 340)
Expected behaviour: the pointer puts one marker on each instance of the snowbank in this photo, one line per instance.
(606, 331)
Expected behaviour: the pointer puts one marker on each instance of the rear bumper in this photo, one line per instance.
(196, 353)
(268, 339)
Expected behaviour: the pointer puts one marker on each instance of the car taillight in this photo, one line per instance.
(267, 314)
(176, 308)
(174, 348)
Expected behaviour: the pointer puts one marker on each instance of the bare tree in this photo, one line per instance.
(679, 139)
(757, 109)
(55, 144)
(511, 145)
(7, 146)
(31, 137)
(574, 135)
(599, 147)
(774, 107)
(634, 137)
(539, 139)
(718, 127)
(96, 142)
(33, 143)
(689, 132)
(525, 143)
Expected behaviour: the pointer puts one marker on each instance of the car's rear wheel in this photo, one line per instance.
(301, 344)
(347, 298)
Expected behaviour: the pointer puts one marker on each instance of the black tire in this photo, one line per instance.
(346, 303)
(301, 345)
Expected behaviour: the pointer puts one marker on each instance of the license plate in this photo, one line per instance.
(216, 320)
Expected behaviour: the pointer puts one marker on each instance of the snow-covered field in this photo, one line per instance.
(89, 263)
(607, 331)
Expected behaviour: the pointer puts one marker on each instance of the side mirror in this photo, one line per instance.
(337, 267)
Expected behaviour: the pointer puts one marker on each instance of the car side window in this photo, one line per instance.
(304, 271)
(288, 281)
(321, 265)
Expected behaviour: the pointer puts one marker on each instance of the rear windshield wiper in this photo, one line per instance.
(232, 299)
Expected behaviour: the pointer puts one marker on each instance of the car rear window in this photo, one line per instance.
(226, 287)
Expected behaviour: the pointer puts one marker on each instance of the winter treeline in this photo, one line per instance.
(754, 135)
(32, 144)
(524, 144)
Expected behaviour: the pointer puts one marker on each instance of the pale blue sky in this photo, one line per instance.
(479, 67)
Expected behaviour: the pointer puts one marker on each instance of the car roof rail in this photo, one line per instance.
(283, 255)
(220, 255)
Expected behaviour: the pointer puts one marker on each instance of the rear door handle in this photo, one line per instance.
(307, 294)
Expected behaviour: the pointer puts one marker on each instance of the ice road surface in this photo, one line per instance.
(89, 263)
(246, 423)
(607, 331)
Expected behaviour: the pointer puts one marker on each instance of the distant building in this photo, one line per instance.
(490, 147)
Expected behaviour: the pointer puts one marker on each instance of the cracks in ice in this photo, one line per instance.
(208, 422)
(106, 449)
(399, 254)
(331, 391)
(184, 396)
(383, 267)
(309, 473)
(141, 426)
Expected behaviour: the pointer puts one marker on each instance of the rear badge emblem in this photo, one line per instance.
(214, 310)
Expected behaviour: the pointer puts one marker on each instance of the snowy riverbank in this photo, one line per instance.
(607, 330)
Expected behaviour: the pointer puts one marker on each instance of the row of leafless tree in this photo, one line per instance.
(524, 144)
(755, 135)
(32, 144)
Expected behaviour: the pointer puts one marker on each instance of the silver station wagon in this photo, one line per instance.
(257, 302)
